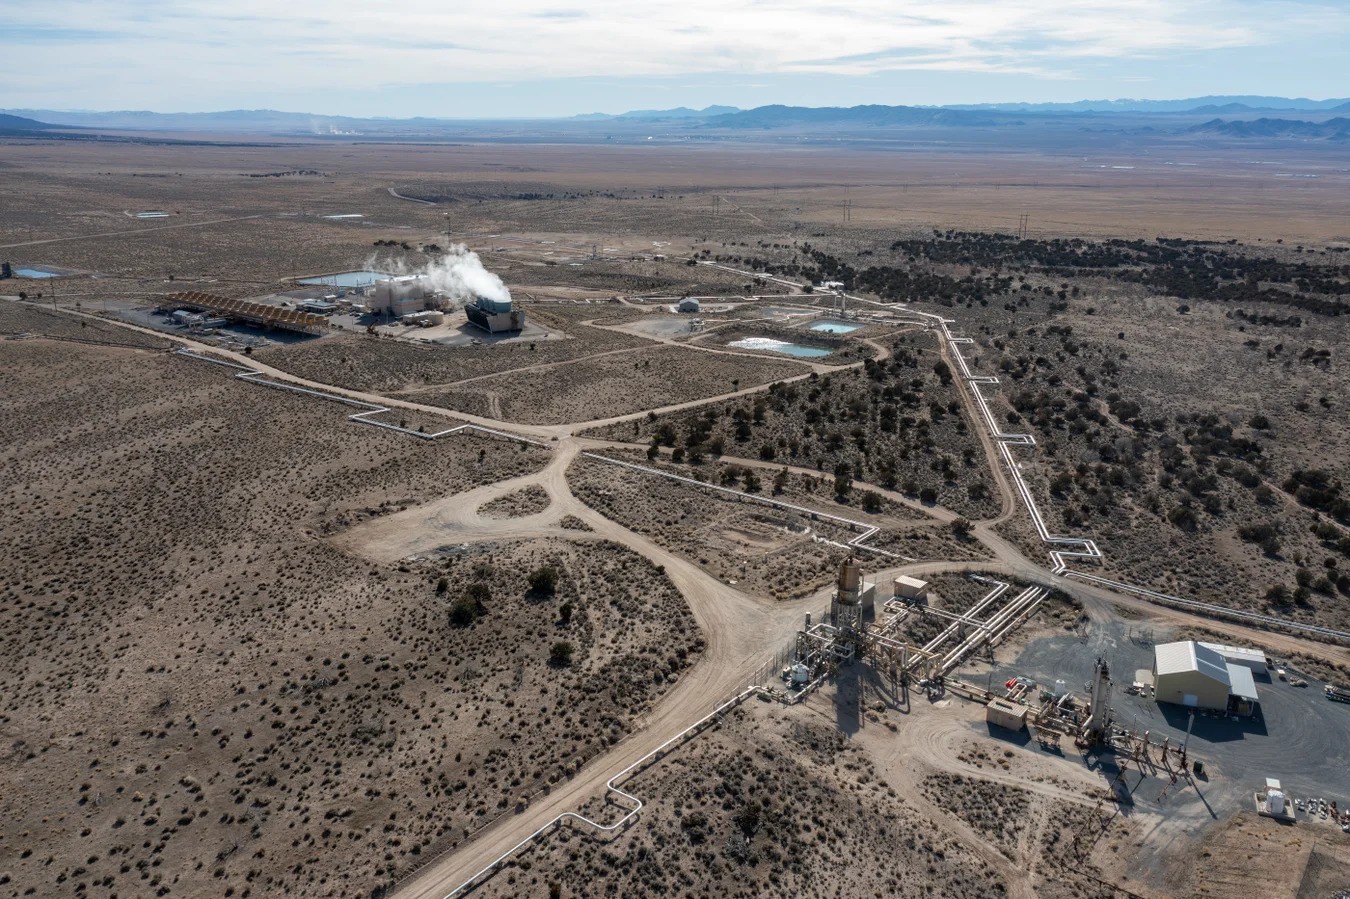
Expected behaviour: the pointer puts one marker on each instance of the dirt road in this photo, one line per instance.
(742, 631)
(742, 634)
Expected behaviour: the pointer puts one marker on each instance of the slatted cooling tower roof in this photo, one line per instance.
(253, 313)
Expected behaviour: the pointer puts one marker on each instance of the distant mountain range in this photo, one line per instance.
(867, 116)
(1337, 129)
(266, 121)
(679, 112)
(1212, 104)
(1158, 116)
(19, 123)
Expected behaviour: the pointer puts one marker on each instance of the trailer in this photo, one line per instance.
(1337, 694)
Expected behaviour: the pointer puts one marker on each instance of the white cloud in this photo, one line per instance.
(261, 46)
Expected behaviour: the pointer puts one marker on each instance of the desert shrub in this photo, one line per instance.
(560, 656)
(544, 580)
(470, 605)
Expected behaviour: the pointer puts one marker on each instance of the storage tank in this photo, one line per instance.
(850, 581)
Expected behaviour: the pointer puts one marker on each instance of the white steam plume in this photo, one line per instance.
(458, 274)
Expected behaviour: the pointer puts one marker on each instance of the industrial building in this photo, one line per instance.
(688, 304)
(427, 319)
(319, 307)
(399, 295)
(1191, 674)
(246, 312)
(1254, 660)
(494, 316)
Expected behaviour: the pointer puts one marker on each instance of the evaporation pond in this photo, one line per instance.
(347, 279)
(830, 326)
(768, 344)
(33, 273)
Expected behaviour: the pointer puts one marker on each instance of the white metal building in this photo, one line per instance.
(399, 295)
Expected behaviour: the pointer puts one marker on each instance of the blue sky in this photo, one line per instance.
(523, 58)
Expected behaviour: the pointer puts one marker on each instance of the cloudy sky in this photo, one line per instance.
(522, 58)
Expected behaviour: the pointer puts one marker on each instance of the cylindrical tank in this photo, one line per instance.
(850, 581)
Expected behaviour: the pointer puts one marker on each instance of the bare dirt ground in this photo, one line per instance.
(214, 700)
(780, 800)
(176, 664)
(529, 500)
(615, 384)
(764, 550)
(25, 319)
(394, 366)
(1250, 855)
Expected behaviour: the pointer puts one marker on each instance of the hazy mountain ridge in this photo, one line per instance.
(20, 123)
(1219, 103)
(778, 116)
(1337, 129)
(1122, 115)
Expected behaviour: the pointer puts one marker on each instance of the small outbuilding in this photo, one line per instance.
(911, 588)
(1006, 713)
(688, 304)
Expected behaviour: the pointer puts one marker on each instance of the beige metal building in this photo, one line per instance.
(1193, 675)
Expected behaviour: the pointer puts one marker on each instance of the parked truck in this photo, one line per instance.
(1337, 694)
